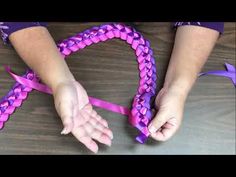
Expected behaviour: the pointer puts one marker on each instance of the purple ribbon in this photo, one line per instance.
(229, 73)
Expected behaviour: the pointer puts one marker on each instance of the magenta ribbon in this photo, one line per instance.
(229, 73)
(45, 89)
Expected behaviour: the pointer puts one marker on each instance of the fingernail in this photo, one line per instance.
(112, 136)
(152, 129)
(109, 144)
(64, 131)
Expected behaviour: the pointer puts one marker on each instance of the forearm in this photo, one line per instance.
(38, 50)
(192, 47)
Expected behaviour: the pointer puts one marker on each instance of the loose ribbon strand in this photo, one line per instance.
(45, 89)
(230, 73)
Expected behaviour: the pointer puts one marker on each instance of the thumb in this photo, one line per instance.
(159, 96)
(157, 122)
(66, 110)
(68, 125)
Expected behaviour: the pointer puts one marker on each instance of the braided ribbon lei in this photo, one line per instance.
(140, 113)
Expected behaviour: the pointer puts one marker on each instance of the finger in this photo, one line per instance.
(84, 115)
(158, 97)
(93, 113)
(65, 110)
(154, 111)
(97, 134)
(165, 132)
(96, 116)
(89, 112)
(102, 121)
(173, 121)
(101, 127)
(99, 123)
(101, 137)
(167, 125)
(157, 135)
(82, 136)
(88, 108)
(89, 143)
(68, 125)
(163, 135)
(158, 121)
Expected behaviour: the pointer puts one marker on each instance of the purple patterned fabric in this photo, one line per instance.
(218, 26)
(6, 28)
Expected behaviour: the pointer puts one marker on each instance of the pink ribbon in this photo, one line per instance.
(45, 89)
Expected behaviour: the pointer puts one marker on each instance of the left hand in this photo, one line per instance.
(78, 116)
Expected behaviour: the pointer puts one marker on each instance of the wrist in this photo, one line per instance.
(179, 85)
(63, 79)
(57, 72)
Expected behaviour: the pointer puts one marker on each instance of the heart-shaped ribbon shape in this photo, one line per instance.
(140, 113)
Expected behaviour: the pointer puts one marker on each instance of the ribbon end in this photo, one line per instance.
(141, 138)
(230, 67)
(7, 68)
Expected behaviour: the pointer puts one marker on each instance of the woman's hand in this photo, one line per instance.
(170, 106)
(78, 116)
(193, 45)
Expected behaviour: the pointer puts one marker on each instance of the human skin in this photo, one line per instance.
(193, 45)
(38, 50)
